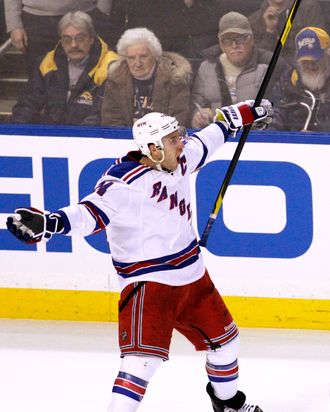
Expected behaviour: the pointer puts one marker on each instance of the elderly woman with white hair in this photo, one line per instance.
(145, 79)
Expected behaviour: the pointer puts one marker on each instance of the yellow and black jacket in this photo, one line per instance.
(45, 99)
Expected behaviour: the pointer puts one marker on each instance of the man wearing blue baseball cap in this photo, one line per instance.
(311, 44)
(302, 97)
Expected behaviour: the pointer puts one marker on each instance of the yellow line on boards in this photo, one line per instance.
(255, 312)
(291, 313)
(48, 304)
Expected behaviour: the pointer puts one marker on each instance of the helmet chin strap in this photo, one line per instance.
(158, 162)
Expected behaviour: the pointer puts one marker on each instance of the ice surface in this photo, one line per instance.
(70, 367)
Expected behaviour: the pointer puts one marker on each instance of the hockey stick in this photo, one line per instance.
(246, 130)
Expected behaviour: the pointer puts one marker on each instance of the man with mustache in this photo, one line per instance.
(32, 24)
(302, 97)
(67, 85)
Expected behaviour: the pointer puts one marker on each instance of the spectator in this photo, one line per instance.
(182, 26)
(267, 23)
(145, 79)
(68, 84)
(33, 24)
(302, 97)
(231, 76)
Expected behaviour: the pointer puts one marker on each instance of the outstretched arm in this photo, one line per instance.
(89, 216)
(31, 225)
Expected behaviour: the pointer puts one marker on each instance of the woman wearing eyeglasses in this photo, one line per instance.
(145, 79)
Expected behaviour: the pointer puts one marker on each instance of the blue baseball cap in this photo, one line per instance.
(311, 43)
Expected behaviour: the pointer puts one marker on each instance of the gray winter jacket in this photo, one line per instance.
(210, 88)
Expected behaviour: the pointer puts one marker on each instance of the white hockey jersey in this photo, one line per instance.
(147, 214)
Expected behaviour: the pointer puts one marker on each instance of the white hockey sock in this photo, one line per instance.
(132, 381)
(222, 369)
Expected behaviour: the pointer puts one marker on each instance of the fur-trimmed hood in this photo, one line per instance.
(172, 65)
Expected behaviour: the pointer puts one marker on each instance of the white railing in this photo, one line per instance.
(5, 46)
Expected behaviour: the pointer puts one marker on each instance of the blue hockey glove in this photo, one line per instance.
(242, 114)
(33, 225)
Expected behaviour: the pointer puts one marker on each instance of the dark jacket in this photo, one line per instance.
(291, 101)
(170, 92)
(45, 97)
(308, 14)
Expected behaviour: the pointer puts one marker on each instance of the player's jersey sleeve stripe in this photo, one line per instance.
(66, 222)
(178, 260)
(205, 152)
(101, 219)
(127, 171)
(224, 130)
(135, 174)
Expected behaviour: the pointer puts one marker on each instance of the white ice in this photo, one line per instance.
(70, 367)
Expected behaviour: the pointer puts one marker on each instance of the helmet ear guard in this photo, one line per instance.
(151, 128)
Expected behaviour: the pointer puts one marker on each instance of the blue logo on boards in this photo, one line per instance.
(19, 167)
(295, 238)
(55, 175)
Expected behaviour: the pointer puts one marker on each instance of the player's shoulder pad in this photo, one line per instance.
(127, 171)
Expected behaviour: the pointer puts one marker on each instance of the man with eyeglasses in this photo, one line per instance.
(32, 24)
(67, 86)
(233, 70)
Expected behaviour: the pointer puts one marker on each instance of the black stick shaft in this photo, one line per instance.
(246, 130)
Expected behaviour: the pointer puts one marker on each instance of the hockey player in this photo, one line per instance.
(143, 203)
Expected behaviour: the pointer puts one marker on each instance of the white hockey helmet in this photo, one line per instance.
(151, 128)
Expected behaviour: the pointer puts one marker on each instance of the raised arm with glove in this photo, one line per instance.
(242, 114)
